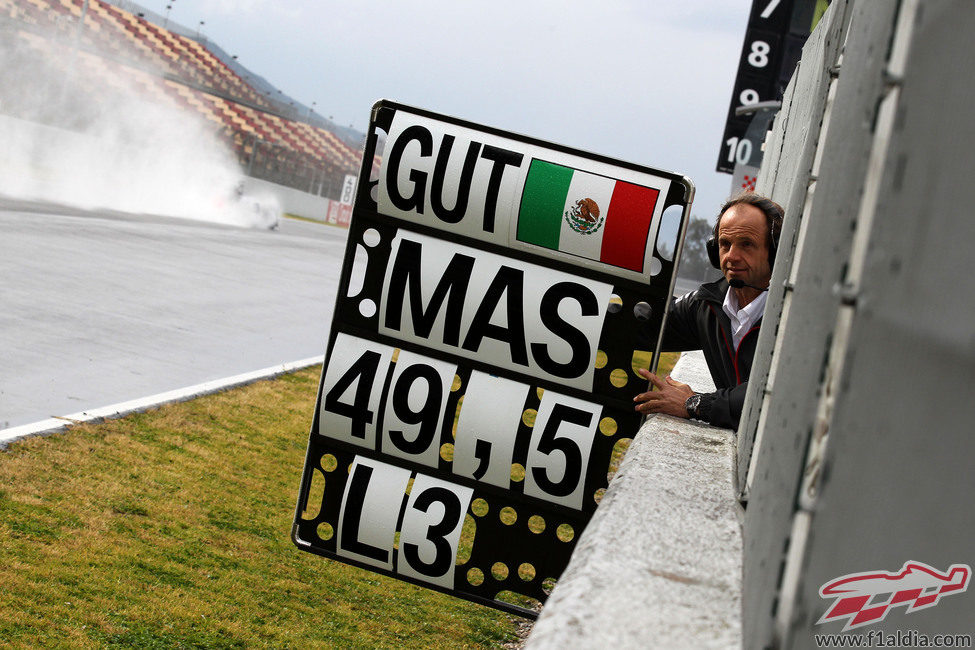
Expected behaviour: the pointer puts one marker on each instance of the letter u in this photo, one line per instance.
(456, 213)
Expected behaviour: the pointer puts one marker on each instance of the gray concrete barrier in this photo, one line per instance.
(659, 565)
(290, 200)
(855, 446)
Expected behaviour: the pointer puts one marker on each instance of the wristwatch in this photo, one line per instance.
(692, 404)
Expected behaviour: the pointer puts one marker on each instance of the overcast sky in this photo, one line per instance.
(641, 80)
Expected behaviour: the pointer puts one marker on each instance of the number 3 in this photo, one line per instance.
(431, 530)
(437, 533)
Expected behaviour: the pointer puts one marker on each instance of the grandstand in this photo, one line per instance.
(119, 48)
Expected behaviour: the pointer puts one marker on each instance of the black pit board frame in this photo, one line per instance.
(776, 32)
(362, 381)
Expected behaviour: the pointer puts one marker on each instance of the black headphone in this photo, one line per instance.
(773, 216)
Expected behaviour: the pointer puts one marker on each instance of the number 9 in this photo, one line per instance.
(748, 97)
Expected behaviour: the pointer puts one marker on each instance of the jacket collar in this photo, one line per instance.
(713, 292)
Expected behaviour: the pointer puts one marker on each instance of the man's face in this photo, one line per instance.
(743, 245)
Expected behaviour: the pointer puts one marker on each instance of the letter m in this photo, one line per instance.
(406, 276)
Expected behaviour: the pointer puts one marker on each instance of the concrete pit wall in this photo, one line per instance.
(659, 565)
(855, 451)
(863, 429)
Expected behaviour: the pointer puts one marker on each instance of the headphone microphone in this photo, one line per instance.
(735, 283)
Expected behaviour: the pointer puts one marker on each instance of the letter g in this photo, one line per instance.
(414, 201)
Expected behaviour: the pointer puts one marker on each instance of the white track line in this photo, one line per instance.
(57, 423)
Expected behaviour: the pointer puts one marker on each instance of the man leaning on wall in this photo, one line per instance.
(722, 318)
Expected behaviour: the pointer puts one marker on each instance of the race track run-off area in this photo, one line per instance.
(100, 309)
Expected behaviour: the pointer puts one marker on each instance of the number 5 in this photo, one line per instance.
(568, 447)
(558, 454)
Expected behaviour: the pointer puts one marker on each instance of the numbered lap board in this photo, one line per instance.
(496, 294)
(777, 30)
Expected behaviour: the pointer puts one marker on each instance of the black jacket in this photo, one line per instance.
(697, 322)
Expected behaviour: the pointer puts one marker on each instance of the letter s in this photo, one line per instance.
(549, 311)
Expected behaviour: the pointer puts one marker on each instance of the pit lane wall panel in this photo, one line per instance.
(859, 464)
(864, 424)
(793, 342)
(899, 431)
(290, 200)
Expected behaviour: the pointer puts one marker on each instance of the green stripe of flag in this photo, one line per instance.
(542, 204)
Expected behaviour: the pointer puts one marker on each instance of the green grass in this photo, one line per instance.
(171, 529)
(667, 362)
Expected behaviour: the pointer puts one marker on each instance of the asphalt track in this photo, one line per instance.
(99, 308)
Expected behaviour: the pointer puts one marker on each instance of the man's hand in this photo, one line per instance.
(669, 397)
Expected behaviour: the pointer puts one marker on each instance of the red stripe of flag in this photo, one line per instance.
(627, 226)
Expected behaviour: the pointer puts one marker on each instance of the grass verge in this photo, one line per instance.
(171, 529)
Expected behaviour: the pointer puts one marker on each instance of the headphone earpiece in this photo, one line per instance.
(712, 247)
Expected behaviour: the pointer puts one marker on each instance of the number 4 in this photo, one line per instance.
(352, 388)
(363, 373)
